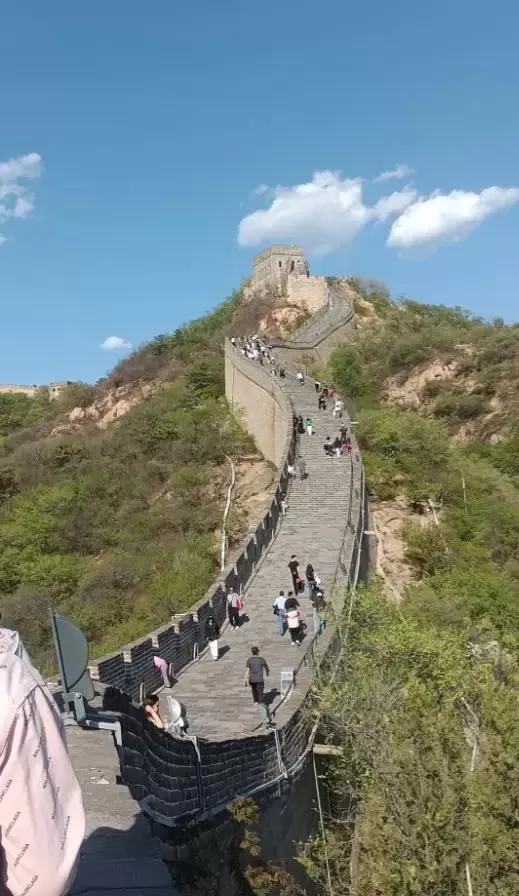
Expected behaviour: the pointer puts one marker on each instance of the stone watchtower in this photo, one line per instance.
(272, 268)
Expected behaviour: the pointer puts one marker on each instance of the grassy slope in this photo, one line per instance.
(116, 527)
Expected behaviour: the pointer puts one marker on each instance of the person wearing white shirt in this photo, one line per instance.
(279, 610)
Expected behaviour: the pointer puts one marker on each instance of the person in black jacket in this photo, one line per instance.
(212, 633)
(310, 577)
(293, 566)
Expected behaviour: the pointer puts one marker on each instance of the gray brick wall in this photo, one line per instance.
(177, 781)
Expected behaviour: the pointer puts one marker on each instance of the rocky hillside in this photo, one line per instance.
(442, 362)
(111, 497)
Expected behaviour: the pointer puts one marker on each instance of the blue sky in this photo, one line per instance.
(155, 122)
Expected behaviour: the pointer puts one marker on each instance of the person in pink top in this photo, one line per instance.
(42, 817)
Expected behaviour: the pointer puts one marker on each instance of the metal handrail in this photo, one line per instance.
(230, 492)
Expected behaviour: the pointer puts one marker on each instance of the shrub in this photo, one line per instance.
(426, 548)
(470, 406)
(445, 405)
(432, 389)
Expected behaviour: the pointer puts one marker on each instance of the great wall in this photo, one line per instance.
(173, 781)
(53, 389)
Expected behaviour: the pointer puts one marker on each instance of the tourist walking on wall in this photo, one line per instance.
(291, 602)
(338, 408)
(310, 577)
(301, 378)
(301, 464)
(212, 633)
(318, 606)
(278, 608)
(294, 625)
(284, 505)
(256, 668)
(234, 605)
(293, 565)
(309, 425)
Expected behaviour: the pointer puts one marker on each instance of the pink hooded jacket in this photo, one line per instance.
(42, 818)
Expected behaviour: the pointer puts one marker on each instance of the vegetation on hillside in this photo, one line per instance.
(115, 527)
(425, 797)
(397, 340)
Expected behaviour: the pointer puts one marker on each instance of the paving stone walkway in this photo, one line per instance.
(119, 853)
(218, 704)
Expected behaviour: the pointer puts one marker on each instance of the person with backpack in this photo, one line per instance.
(278, 608)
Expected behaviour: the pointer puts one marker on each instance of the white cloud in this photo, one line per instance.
(329, 212)
(394, 203)
(324, 214)
(115, 343)
(448, 217)
(15, 199)
(395, 174)
(259, 191)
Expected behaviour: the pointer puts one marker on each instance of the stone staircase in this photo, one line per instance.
(218, 706)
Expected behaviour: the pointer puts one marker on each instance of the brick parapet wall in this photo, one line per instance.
(176, 779)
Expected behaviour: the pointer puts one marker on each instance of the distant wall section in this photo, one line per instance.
(251, 389)
(332, 325)
(307, 292)
(54, 389)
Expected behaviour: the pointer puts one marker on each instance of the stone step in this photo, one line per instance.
(127, 876)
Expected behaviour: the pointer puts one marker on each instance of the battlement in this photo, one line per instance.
(16, 389)
(277, 250)
(272, 268)
(54, 389)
